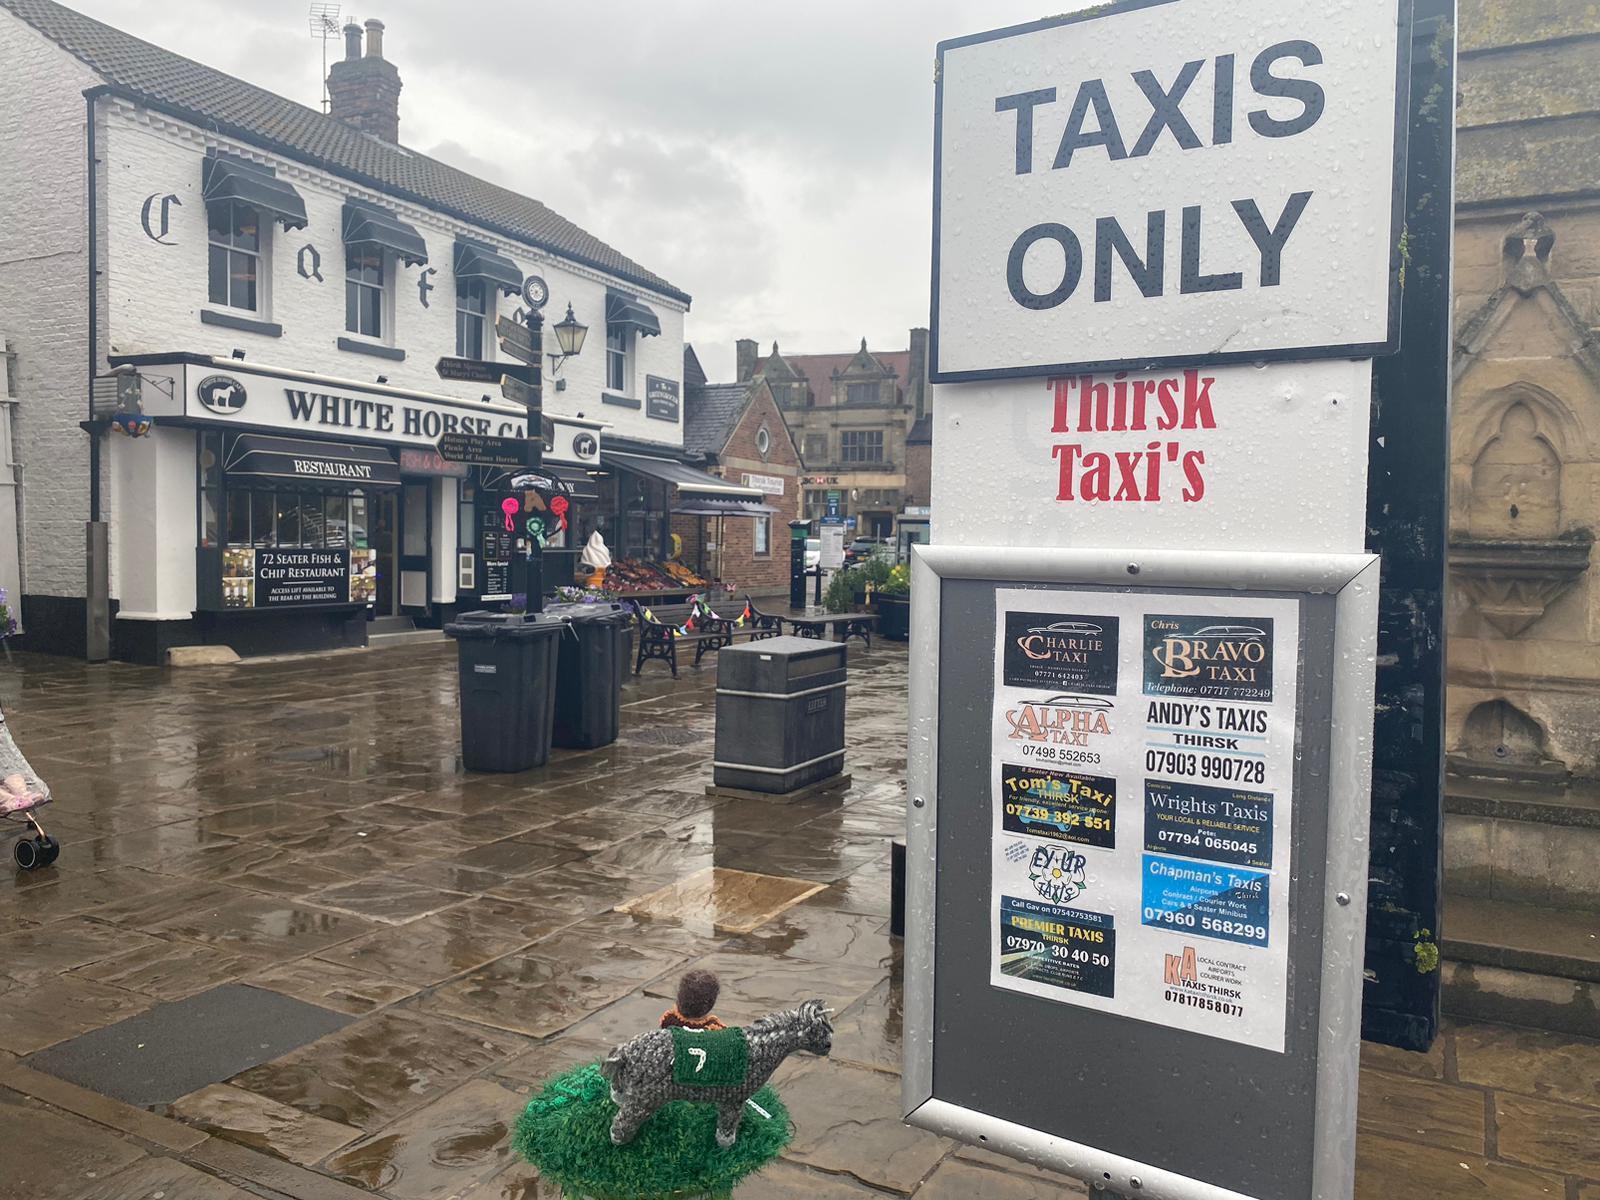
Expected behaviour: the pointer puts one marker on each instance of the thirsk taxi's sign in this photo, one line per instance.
(1188, 181)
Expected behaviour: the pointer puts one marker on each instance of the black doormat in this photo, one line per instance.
(172, 1049)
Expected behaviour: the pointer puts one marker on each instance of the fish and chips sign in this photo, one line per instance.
(1153, 183)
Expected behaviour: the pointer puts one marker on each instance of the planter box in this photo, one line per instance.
(894, 617)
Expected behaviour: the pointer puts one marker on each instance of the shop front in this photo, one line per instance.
(304, 508)
(643, 508)
(489, 535)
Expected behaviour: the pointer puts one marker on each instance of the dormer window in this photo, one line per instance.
(235, 255)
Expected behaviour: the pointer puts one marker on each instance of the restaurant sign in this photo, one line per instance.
(311, 404)
(293, 576)
(661, 398)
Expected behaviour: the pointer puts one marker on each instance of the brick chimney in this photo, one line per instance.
(746, 355)
(917, 384)
(364, 90)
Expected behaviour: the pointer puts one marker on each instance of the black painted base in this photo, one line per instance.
(55, 625)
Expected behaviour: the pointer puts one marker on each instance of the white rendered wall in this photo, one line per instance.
(44, 297)
(154, 539)
(157, 291)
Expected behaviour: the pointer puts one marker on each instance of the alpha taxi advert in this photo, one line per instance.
(1143, 794)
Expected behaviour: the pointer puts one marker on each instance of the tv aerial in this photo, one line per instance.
(324, 22)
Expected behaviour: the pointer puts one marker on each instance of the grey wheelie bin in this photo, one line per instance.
(508, 686)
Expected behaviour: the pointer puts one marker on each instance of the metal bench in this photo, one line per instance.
(659, 637)
(854, 624)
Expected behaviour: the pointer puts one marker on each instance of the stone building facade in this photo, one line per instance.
(1522, 844)
(850, 415)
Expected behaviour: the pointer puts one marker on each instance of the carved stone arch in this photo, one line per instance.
(1555, 421)
(1516, 481)
(1500, 739)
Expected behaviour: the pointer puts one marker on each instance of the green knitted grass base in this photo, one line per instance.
(565, 1132)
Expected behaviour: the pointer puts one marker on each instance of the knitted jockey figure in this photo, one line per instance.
(697, 996)
(683, 1112)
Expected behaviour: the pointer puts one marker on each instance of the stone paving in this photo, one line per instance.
(303, 827)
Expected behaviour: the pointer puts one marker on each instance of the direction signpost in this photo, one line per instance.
(477, 370)
(483, 450)
(1170, 246)
(525, 343)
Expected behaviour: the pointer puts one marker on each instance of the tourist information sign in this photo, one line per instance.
(1168, 250)
(516, 339)
(483, 451)
(477, 370)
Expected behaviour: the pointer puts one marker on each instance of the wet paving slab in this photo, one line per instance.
(326, 847)
(380, 1068)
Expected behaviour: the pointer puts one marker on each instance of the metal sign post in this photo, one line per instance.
(526, 343)
(1169, 246)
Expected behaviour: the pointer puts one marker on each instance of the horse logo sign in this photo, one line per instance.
(222, 394)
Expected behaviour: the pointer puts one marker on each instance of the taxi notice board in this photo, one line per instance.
(1168, 181)
(1168, 271)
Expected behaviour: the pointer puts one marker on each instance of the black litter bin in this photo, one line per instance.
(508, 688)
(780, 714)
(589, 670)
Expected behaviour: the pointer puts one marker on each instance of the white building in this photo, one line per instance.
(265, 271)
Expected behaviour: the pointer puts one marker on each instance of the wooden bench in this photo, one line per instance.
(659, 637)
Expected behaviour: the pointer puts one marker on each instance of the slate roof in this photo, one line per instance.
(693, 372)
(710, 412)
(215, 100)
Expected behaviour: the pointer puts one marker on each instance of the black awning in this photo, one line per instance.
(622, 309)
(226, 177)
(370, 225)
(576, 478)
(687, 480)
(479, 262)
(260, 457)
(706, 506)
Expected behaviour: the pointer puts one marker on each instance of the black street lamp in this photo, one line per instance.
(570, 333)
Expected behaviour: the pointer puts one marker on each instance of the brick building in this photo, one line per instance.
(850, 414)
(740, 434)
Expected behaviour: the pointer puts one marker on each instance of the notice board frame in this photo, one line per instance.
(1339, 594)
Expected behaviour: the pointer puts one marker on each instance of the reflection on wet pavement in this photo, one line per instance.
(323, 843)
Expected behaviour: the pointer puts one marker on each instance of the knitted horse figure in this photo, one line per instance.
(724, 1068)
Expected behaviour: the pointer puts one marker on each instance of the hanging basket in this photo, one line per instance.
(565, 1132)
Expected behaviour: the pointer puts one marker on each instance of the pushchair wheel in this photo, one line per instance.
(33, 853)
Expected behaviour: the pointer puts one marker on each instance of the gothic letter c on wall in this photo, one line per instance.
(309, 263)
(165, 219)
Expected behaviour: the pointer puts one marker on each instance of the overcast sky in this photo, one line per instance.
(772, 160)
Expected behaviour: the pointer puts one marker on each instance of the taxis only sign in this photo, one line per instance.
(1151, 183)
